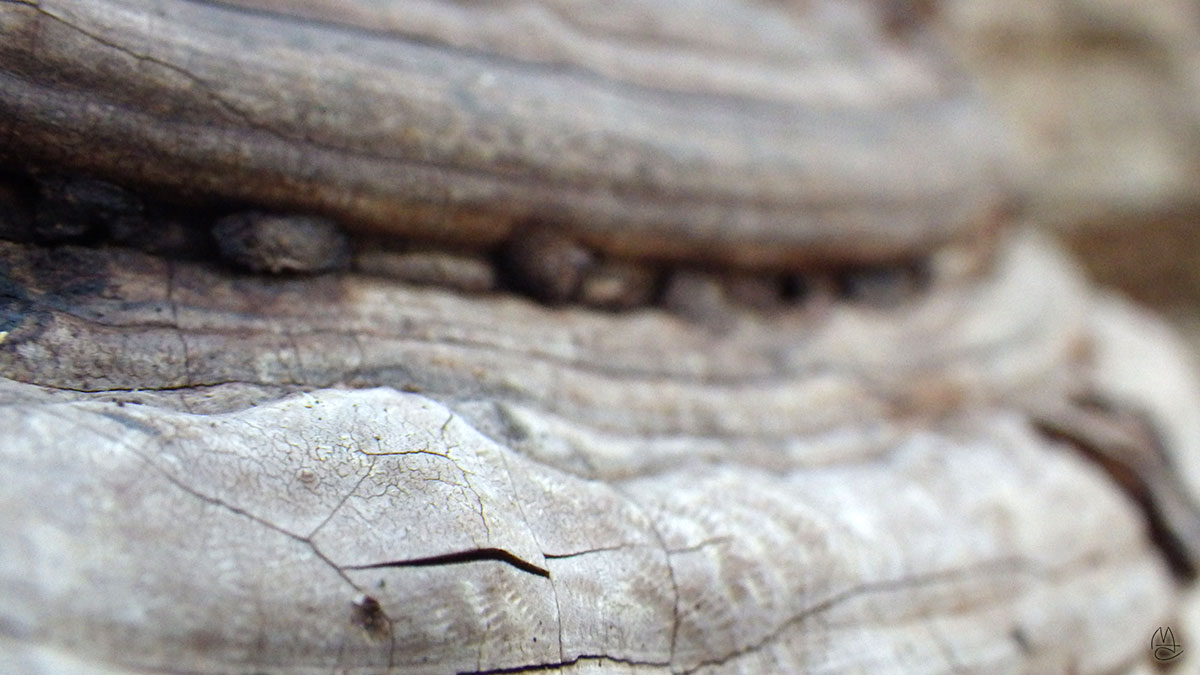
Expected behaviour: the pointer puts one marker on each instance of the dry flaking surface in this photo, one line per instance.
(248, 540)
(201, 478)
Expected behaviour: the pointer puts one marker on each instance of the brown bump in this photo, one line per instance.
(262, 242)
(755, 291)
(367, 614)
(617, 285)
(545, 264)
(699, 297)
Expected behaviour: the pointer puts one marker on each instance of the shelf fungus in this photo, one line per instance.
(455, 337)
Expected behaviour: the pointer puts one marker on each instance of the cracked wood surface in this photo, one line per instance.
(213, 472)
(292, 517)
(524, 371)
(760, 134)
(181, 511)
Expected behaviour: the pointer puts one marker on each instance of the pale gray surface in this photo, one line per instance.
(896, 511)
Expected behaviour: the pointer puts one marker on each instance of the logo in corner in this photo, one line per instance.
(1163, 644)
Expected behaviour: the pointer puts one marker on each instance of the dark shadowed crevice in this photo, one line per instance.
(543, 667)
(1128, 447)
(461, 557)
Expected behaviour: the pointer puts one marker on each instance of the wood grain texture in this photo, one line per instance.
(754, 134)
(561, 494)
(211, 471)
(644, 373)
(244, 541)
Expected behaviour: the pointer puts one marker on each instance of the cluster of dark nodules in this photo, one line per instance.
(538, 260)
(555, 269)
(52, 209)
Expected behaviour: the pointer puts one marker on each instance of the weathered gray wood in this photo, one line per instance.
(752, 501)
(645, 373)
(209, 471)
(243, 542)
(758, 134)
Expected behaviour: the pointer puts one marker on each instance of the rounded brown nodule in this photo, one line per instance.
(545, 264)
(618, 285)
(263, 242)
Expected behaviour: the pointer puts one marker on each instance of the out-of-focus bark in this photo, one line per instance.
(1103, 98)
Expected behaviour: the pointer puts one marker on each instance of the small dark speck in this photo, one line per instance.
(368, 615)
(1021, 639)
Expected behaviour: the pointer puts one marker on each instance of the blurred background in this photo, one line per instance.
(1103, 99)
